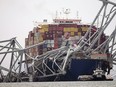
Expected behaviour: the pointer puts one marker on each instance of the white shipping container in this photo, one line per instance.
(48, 41)
(49, 45)
(34, 30)
(77, 37)
(99, 56)
(52, 41)
(72, 38)
(37, 34)
(52, 44)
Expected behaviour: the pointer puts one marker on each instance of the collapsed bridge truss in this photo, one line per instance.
(16, 56)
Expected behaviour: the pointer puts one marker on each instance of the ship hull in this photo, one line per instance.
(79, 67)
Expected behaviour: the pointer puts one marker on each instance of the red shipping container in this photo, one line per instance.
(60, 28)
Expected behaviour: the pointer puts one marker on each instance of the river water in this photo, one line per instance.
(62, 84)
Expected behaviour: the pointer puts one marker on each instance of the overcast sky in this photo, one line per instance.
(17, 16)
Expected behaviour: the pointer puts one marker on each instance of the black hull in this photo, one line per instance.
(78, 67)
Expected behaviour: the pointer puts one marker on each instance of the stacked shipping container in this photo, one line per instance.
(53, 35)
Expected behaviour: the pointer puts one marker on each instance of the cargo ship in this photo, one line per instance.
(63, 32)
(63, 50)
(72, 51)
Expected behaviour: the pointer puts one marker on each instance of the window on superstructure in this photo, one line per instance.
(69, 21)
(61, 21)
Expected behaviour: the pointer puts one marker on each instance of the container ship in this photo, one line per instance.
(66, 32)
(63, 50)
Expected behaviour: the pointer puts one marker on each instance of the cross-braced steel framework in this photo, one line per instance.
(59, 58)
(13, 54)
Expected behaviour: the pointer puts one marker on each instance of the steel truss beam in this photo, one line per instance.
(58, 58)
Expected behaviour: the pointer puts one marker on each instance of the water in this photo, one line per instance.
(62, 84)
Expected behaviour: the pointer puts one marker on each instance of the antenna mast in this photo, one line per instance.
(66, 12)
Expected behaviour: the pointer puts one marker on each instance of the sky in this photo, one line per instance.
(17, 17)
